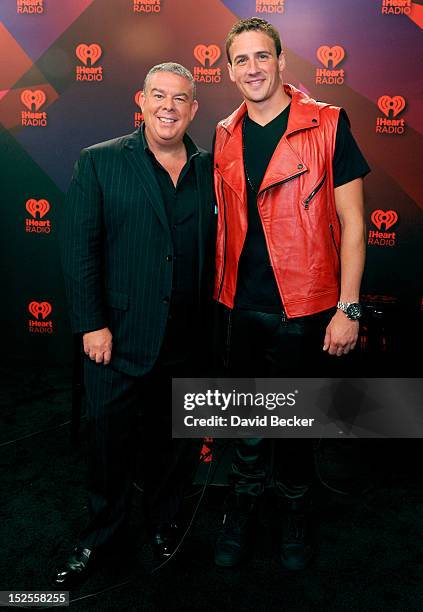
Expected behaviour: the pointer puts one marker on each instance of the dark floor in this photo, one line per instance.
(370, 553)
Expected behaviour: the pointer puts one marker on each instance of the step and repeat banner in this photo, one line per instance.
(71, 72)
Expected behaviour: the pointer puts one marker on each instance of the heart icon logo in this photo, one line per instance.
(88, 52)
(202, 53)
(396, 104)
(37, 206)
(326, 54)
(40, 308)
(380, 217)
(29, 97)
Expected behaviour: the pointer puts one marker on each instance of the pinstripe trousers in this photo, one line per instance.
(127, 417)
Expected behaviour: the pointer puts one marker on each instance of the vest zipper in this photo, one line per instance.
(313, 193)
(224, 241)
(224, 218)
(284, 316)
(281, 182)
(333, 240)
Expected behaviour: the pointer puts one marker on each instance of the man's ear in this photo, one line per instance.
(281, 61)
(142, 100)
(231, 72)
(194, 109)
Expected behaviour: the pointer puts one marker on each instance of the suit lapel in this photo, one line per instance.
(137, 158)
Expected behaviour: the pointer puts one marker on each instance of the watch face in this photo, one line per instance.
(354, 312)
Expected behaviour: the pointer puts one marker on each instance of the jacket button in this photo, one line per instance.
(314, 120)
(300, 166)
(166, 300)
(169, 257)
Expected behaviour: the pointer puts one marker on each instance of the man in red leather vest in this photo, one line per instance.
(289, 261)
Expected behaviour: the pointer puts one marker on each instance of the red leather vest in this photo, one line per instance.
(296, 206)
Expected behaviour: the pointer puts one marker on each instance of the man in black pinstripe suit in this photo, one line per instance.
(137, 227)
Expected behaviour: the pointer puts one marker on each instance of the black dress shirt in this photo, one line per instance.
(181, 204)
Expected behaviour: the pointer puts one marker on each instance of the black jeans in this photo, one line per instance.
(256, 344)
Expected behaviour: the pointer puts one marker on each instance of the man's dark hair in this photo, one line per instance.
(253, 24)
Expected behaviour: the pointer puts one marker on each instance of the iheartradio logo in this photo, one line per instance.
(33, 98)
(147, 6)
(37, 206)
(399, 7)
(88, 54)
(387, 218)
(36, 224)
(396, 105)
(327, 54)
(204, 54)
(40, 308)
(30, 7)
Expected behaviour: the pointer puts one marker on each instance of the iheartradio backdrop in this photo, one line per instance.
(70, 73)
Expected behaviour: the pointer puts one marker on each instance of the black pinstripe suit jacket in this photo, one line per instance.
(115, 243)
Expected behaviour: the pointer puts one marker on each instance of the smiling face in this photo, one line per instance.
(254, 67)
(168, 108)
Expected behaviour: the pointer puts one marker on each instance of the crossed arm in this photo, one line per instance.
(341, 333)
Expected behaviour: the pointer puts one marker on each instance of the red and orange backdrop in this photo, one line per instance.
(70, 76)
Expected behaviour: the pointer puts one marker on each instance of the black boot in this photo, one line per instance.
(234, 538)
(297, 543)
(76, 569)
(165, 540)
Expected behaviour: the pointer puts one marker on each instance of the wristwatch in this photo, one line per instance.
(353, 310)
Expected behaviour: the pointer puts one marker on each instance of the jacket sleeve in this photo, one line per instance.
(81, 248)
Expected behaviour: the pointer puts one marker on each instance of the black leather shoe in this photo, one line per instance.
(233, 541)
(297, 544)
(76, 569)
(165, 540)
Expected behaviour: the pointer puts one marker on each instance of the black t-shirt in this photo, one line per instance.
(256, 286)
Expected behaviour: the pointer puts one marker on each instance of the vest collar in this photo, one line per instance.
(286, 163)
(304, 112)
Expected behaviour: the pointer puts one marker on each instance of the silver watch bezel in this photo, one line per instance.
(345, 307)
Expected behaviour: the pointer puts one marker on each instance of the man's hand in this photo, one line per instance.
(341, 335)
(98, 345)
